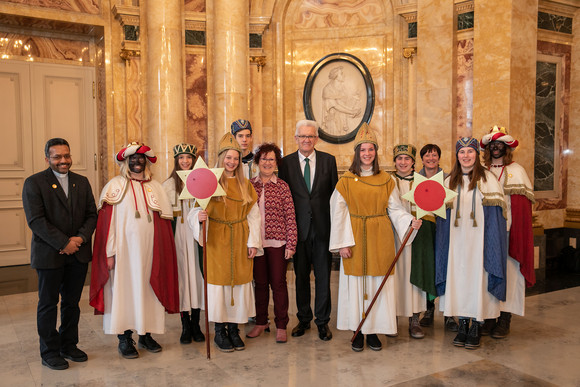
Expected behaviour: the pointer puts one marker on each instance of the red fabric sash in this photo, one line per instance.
(164, 267)
(522, 237)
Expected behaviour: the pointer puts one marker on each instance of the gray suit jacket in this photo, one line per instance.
(53, 219)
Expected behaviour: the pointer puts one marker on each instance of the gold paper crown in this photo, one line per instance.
(228, 142)
(404, 149)
(365, 135)
(183, 148)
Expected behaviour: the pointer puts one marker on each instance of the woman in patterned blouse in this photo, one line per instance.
(279, 238)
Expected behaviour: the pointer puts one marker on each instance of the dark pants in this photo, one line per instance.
(313, 253)
(68, 281)
(270, 271)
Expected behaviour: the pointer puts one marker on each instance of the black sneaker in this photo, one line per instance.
(127, 347)
(474, 335)
(221, 339)
(359, 343)
(234, 334)
(55, 363)
(459, 340)
(74, 354)
(374, 343)
(147, 342)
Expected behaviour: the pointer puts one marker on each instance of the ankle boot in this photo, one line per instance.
(414, 328)
(127, 345)
(185, 329)
(459, 340)
(427, 319)
(502, 329)
(473, 336)
(196, 332)
(488, 326)
(234, 334)
(221, 339)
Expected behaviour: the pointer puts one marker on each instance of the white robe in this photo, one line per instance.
(219, 297)
(515, 281)
(188, 269)
(410, 298)
(130, 302)
(466, 292)
(383, 317)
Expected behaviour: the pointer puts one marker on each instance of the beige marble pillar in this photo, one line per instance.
(504, 71)
(165, 103)
(435, 42)
(229, 67)
(412, 99)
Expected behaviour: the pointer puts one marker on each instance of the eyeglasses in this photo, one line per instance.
(268, 160)
(307, 137)
(60, 157)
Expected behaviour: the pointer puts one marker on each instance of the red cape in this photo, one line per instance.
(163, 272)
(522, 238)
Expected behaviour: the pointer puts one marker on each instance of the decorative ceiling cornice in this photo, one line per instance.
(126, 14)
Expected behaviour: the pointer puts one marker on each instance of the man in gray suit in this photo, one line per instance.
(61, 212)
(312, 176)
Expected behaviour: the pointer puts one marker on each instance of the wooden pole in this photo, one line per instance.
(407, 236)
(207, 338)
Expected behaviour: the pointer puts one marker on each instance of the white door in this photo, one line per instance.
(42, 101)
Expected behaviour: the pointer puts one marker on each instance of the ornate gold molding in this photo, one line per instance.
(465, 7)
(126, 14)
(408, 53)
(195, 21)
(538, 228)
(572, 218)
(126, 54)
(410, 17)
(258, 60)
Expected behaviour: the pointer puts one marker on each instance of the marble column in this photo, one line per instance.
(165, 102)
(504, 72)
(435, 40)
(229, 67)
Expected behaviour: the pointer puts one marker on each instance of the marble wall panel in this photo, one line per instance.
(101, 83)
(574, 124)
(330, 13)
(134, 100)
(551, 22)
(196, 101)
(194, 5)
(29, 47)
(563, 51)
(546, 137)
(464, 88)
(81, 6)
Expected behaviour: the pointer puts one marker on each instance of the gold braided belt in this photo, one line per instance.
(364, 248)
(230, 224)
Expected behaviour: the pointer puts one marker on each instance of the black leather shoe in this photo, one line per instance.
(55, 363)
(324, 332)
(235, 339)
(127, 347)
(75, 355)
(459, 340)
(359, 343)
(300, 329)
(147, 342)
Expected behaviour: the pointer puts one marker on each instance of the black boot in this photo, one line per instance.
(358, 343)
(459, 340)
(127, 346)
(221, 339)
(234, 334)
(147, 342)
(474, 335)
(427, 319)
(185, 328)
(488, 326)
(196, 332)
(502, 329)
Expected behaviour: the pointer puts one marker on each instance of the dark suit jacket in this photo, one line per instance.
(312, 209)
(53, 220)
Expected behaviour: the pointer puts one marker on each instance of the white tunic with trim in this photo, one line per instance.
(130, 302)
(186, 248)
(410, 298)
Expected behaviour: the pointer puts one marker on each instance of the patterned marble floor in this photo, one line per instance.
(543, 349)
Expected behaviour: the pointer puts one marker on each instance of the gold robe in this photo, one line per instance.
(368, 198)
(227, 250)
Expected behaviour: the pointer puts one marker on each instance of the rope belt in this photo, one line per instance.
(364, 250)
(230, 224)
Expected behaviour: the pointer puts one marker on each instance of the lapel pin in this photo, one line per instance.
(54, 186)
(74, 185)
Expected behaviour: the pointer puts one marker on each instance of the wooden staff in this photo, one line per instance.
(407, 236)
(205, 289)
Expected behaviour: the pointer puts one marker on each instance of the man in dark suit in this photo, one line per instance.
(312, 176)
(61, 212)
